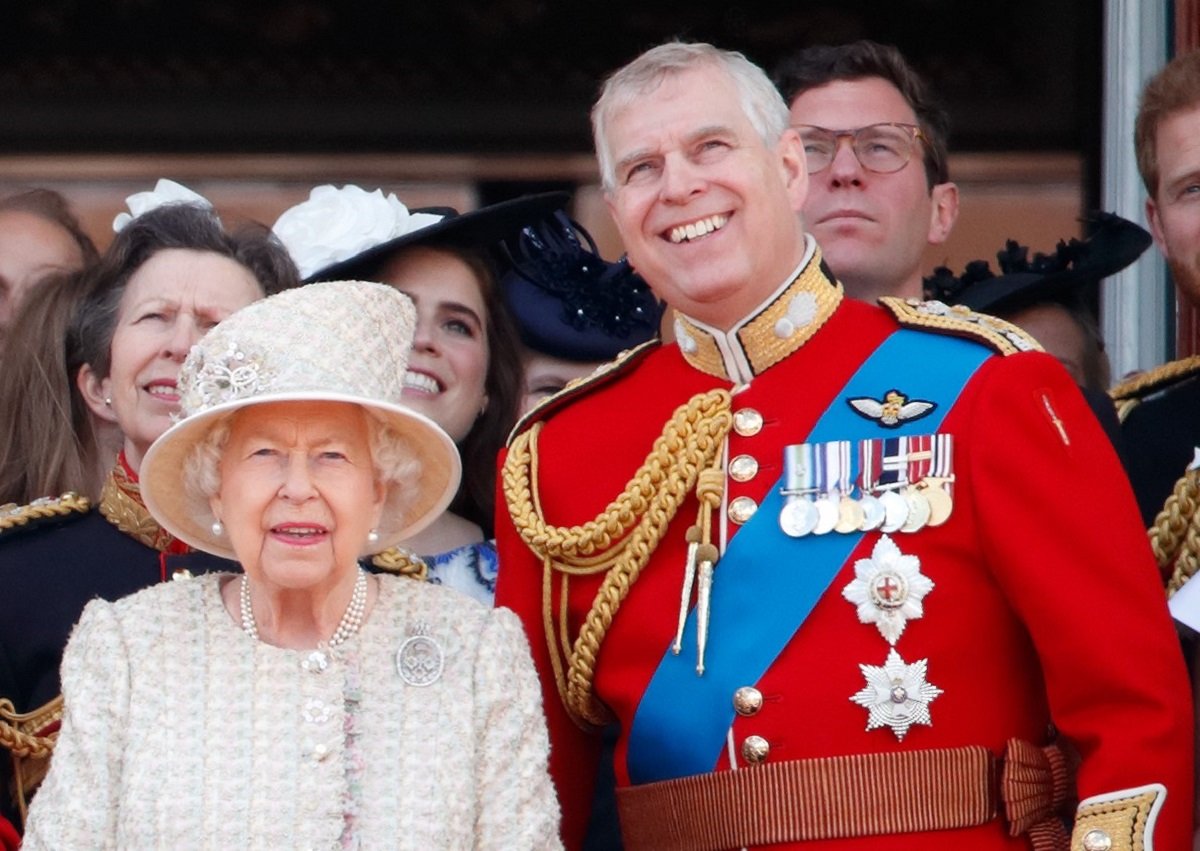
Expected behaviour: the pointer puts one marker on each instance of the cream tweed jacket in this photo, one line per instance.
(182, 732)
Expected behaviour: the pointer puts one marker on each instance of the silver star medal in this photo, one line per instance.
(888, 589)
(896, 695)
(420, 659)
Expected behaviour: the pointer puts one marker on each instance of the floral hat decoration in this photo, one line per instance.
(339, 341)
(164, 192)
(346, 232)
(570, 303)
(1114, 243)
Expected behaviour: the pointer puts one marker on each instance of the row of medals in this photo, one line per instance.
(906, 508)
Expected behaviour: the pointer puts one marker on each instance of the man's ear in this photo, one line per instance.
(1156, 229)
(793, 166)
(95, 392)
(943, 212)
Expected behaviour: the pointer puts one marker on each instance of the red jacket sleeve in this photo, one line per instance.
(1061, 534)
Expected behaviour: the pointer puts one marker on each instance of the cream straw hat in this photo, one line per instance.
(341, 341)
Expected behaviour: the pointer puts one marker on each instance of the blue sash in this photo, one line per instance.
(767, 583)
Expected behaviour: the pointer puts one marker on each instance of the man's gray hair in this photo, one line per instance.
(760, 100)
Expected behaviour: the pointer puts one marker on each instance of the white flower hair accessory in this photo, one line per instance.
(164, 192)
(336, 224)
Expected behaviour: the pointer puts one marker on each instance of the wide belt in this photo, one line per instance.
(848, 796)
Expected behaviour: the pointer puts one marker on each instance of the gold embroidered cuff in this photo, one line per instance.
(1118, 821)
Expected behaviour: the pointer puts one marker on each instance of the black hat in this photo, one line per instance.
(1113, 244)
(309, 230)
(569, 302)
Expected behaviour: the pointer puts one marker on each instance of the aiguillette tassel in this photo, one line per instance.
(706, 555)
(689, 577)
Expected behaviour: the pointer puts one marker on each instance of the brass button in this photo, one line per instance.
(755, 749)
(747, 422)
(1097, 840)
(742, 509)
(743, 468)
(747, 700)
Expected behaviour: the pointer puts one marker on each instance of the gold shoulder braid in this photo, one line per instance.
(121, 504)
(13, 516)
(1129, 393)
(22, 735)
(686, 457)
(958, 321)
(401, 562)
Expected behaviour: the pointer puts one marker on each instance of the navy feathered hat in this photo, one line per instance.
(568, 301)
(1113, 244)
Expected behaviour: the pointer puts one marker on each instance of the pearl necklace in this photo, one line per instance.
(349, 624)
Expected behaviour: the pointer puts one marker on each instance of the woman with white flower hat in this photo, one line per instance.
(465, 370)
(170, 274)
(315, 704)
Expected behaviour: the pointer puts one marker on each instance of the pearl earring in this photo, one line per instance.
(218, 528)
(108, 401)
(373, 536)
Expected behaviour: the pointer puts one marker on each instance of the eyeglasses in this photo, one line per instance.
(881, 148)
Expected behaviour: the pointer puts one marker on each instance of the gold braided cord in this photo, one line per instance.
(1175, 535)
(620, 539)
(19, 732)
(401, 562)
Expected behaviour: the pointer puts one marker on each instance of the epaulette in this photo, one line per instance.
(958, 321)
(46, 510)
(1132, 391)
(603, 374)
(400, 562)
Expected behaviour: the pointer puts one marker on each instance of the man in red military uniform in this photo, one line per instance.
(847, 576)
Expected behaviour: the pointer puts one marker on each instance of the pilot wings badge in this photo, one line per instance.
(893, 409)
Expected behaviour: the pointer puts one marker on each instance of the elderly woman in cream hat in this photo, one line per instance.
(303, 703)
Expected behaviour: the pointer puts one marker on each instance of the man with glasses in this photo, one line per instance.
(825, 565)
(879, 190)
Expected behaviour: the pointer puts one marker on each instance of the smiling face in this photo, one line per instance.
(167, 305)
(705, 209)
(447, 370)
(872, 228)
(30, 248)
(299, 492)
(1174, 211)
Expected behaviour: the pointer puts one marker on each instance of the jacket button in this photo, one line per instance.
(742, 509)
(755, 749)
(747, 422)
(747, 700)
(1097, 840)
(743, 468)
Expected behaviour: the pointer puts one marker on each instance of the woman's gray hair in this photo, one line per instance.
(759, 98)
(392, 457)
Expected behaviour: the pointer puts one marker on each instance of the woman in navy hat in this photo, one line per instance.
(573, 309)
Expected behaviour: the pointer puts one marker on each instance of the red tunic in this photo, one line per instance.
(1046, 607)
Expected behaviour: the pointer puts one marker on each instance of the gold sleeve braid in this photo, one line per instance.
(1121, 821)
(685, 458)
(1175, 535)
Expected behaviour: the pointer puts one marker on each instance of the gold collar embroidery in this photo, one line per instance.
(121, 504)
(783, 324)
